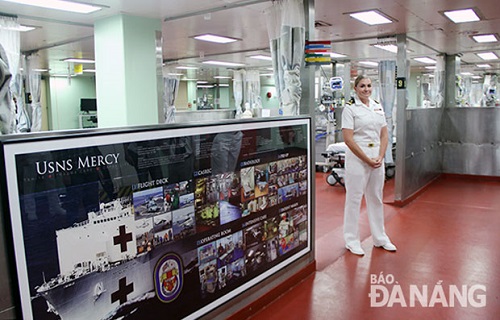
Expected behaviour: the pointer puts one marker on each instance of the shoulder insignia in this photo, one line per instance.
(376, 101)
(351, 101)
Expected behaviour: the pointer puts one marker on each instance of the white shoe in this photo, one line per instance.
(355, 249)
(388, 246)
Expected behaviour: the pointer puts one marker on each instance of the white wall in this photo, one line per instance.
(65, 98)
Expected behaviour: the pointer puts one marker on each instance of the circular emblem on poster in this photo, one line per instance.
(168, 277)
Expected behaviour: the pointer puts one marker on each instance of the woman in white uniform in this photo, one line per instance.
(365, 133)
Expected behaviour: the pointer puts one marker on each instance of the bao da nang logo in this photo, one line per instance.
(385, 291)
(169, 277)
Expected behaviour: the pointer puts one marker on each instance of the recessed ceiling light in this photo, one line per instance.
(206, 86)
(78, 60)
(89, 70)
(40, 70)
(482, 38)
(223, 63)
(430, 67)
(387, 47)
(76, 7)
(175, 74)
(466, 73)
(371, 17)
(337, 55)
(222, 77)
(62, 75)
(369, 63)
(186, 68)
(26, 28)
(425, 60)
(483, 65)
(464, 15)
(215, 38)
(223, 85)
(202, 82)
(262, 57)
(476, 77)
(487, 55)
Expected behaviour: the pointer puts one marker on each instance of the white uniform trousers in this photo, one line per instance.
(361, 179)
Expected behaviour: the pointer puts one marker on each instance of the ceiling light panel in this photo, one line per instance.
(69, 6)
(387, 47)
(485, 38)
(369, 63)
(215, 38)
(371, 17)
(460, 16)
(425, 60)
(262, 57)
(487, 55)
(223, 63)
(337, 55)
(78, 60)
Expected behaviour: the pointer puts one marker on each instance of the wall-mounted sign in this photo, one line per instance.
(401, 83)
(150, 223)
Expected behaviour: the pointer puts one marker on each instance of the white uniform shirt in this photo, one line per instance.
(366, 122)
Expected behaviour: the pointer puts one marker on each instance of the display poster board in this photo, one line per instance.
(155, 223)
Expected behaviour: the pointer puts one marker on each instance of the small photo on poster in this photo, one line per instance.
(183, 223)
(271, 227)
(253, 234)
(273, 168)
(144, 234)
(303, 188)
(288, 243)
(230, 249)
(285, 226)
(247, 184)
(208, 277)
(262, 203)
(273, 200)
(288, 193)
(207, 252)
(236, 270)
(228, 212)
(178, 195)
(299, 215)
(256, 257)
(186, 200)
(302, 232)
(249, 207)
(303, 175)
(227, 186)
(163, 228)
(148, 202)
(272, 249)
(200, 192)
(207, 217)
(261, 175)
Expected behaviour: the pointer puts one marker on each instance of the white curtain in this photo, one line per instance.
(387, 78)
(171, 84)
(34, 81)
(238, 76)
(252, 92)
(436, 89)
(286, 28)
(10, 55)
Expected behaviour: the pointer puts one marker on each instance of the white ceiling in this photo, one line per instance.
(61, 35)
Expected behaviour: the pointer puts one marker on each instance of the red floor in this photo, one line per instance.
(448, 246)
